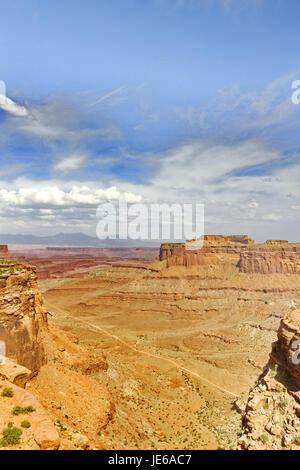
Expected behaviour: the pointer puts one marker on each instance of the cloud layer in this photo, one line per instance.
(233, 181)
(232, 161)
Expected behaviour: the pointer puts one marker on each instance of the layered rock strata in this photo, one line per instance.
(275, 256)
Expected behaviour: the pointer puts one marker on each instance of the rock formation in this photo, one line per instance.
(272, 415)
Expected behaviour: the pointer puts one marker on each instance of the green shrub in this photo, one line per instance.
(18, 410)
(25, 424)
(7, 392)
(11, 436)
(297, 440)
(264, 438)
(274, 371)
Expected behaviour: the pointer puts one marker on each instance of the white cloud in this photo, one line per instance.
(52, 196)
(11, 107)
(245, 111)
(59, 119)
(73, 162)
(273, 217)
(236, 199)
(43, 207)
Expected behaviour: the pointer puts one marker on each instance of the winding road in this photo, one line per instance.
(148, 354)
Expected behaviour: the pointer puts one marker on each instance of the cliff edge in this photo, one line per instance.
(272, 415)
(23, 319)
(48, 397)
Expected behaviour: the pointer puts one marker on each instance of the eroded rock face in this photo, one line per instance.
(272, 415)
(284, 351)
(271, 259)
(22, 316)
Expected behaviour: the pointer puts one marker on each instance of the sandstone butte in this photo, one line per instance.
(45, 361)
(275, 256)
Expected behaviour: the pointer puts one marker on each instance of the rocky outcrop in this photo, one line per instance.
(22, 316)
(15, 373)
(272, 415)
(243, 239)
(277, 242)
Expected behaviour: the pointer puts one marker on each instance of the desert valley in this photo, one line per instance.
(167, 348)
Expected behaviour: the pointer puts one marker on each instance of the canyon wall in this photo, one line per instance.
(275, 256)
(22, 316)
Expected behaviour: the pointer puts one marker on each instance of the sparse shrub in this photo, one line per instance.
(264, 438)
(59, 423)
(11, 436)
(283, 403)
(274, 371)
(4, 261)
(266, 406)
(297, 440)
(18, 410)
(25, 424)
(7, 392)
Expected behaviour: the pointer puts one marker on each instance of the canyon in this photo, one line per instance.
(169, 341)
(56, 262)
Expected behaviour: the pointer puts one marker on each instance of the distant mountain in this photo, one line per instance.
(72, 239)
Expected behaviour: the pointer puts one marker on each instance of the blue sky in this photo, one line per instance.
(169, 101)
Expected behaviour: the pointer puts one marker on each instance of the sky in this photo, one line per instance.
(156, 101)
